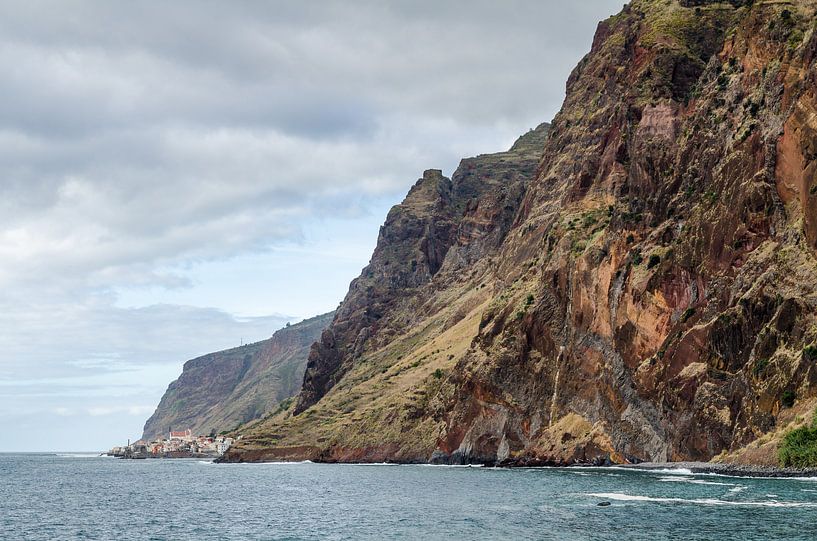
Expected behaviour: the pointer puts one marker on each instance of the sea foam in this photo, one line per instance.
(618, 496)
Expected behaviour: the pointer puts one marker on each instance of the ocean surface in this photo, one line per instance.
(77, 496)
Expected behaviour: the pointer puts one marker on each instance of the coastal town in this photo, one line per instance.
(178, 444)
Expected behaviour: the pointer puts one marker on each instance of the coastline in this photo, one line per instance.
(731, 470)
(313, 454)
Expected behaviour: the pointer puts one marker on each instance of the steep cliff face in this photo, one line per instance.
(222, 390)
(650, 294)
(442, 223)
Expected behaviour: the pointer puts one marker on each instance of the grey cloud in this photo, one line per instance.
(137, 137)
(76, 338)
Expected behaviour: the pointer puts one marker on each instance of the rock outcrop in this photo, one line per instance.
(220, 391)
(640, 284)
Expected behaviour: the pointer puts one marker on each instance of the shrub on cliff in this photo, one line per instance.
(799, 447)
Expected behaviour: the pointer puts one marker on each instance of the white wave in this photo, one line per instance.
(682, 471)
(680, 479)
(452, 465)
(276, 463)
(739, 488)
(664, 471)
(258, 464)
(373, 464)
(617, 496)
(80, 455)
(764, 477)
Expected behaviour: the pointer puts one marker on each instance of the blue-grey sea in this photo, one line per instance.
(78, 496)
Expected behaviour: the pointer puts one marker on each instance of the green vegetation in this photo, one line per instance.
(746, 132)
(688, 313)
(760, 366)
(787, 398)
(634, 217)
(578, 247)
(795, 38)
(799, 447)
(438, 374)
(653, 261)
(810, 352)
(284, 405)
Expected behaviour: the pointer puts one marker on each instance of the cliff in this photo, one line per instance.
(640, 284)
(219, 391)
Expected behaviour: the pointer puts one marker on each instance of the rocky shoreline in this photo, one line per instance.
(734, 470)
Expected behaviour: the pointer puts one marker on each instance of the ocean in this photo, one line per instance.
(78, 496)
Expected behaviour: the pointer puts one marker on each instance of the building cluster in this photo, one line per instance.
(181, 444)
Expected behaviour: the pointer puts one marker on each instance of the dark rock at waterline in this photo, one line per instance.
(603, 504)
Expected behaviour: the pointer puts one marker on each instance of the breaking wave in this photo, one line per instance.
(679, 479)
(618, 496)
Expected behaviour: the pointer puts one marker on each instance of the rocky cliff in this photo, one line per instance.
(220, 391)
(640, 284)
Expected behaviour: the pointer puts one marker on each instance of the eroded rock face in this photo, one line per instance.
(647, 296)
(442, 222)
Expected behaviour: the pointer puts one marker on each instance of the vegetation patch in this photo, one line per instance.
(799, 447)
(284, 405)
(787, 398)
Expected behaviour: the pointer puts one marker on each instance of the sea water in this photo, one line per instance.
(77, 496)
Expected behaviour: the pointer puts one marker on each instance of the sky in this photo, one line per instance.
(180, 177)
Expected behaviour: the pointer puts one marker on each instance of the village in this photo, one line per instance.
(178, 444)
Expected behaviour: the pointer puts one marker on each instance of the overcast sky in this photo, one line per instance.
(176, 177)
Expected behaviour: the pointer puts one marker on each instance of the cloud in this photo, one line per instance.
(140, 411)
(143, 142)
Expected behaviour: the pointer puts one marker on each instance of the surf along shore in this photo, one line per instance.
(732, 470)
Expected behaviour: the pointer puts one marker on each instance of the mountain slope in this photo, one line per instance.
(221, 390)
(649, 295)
